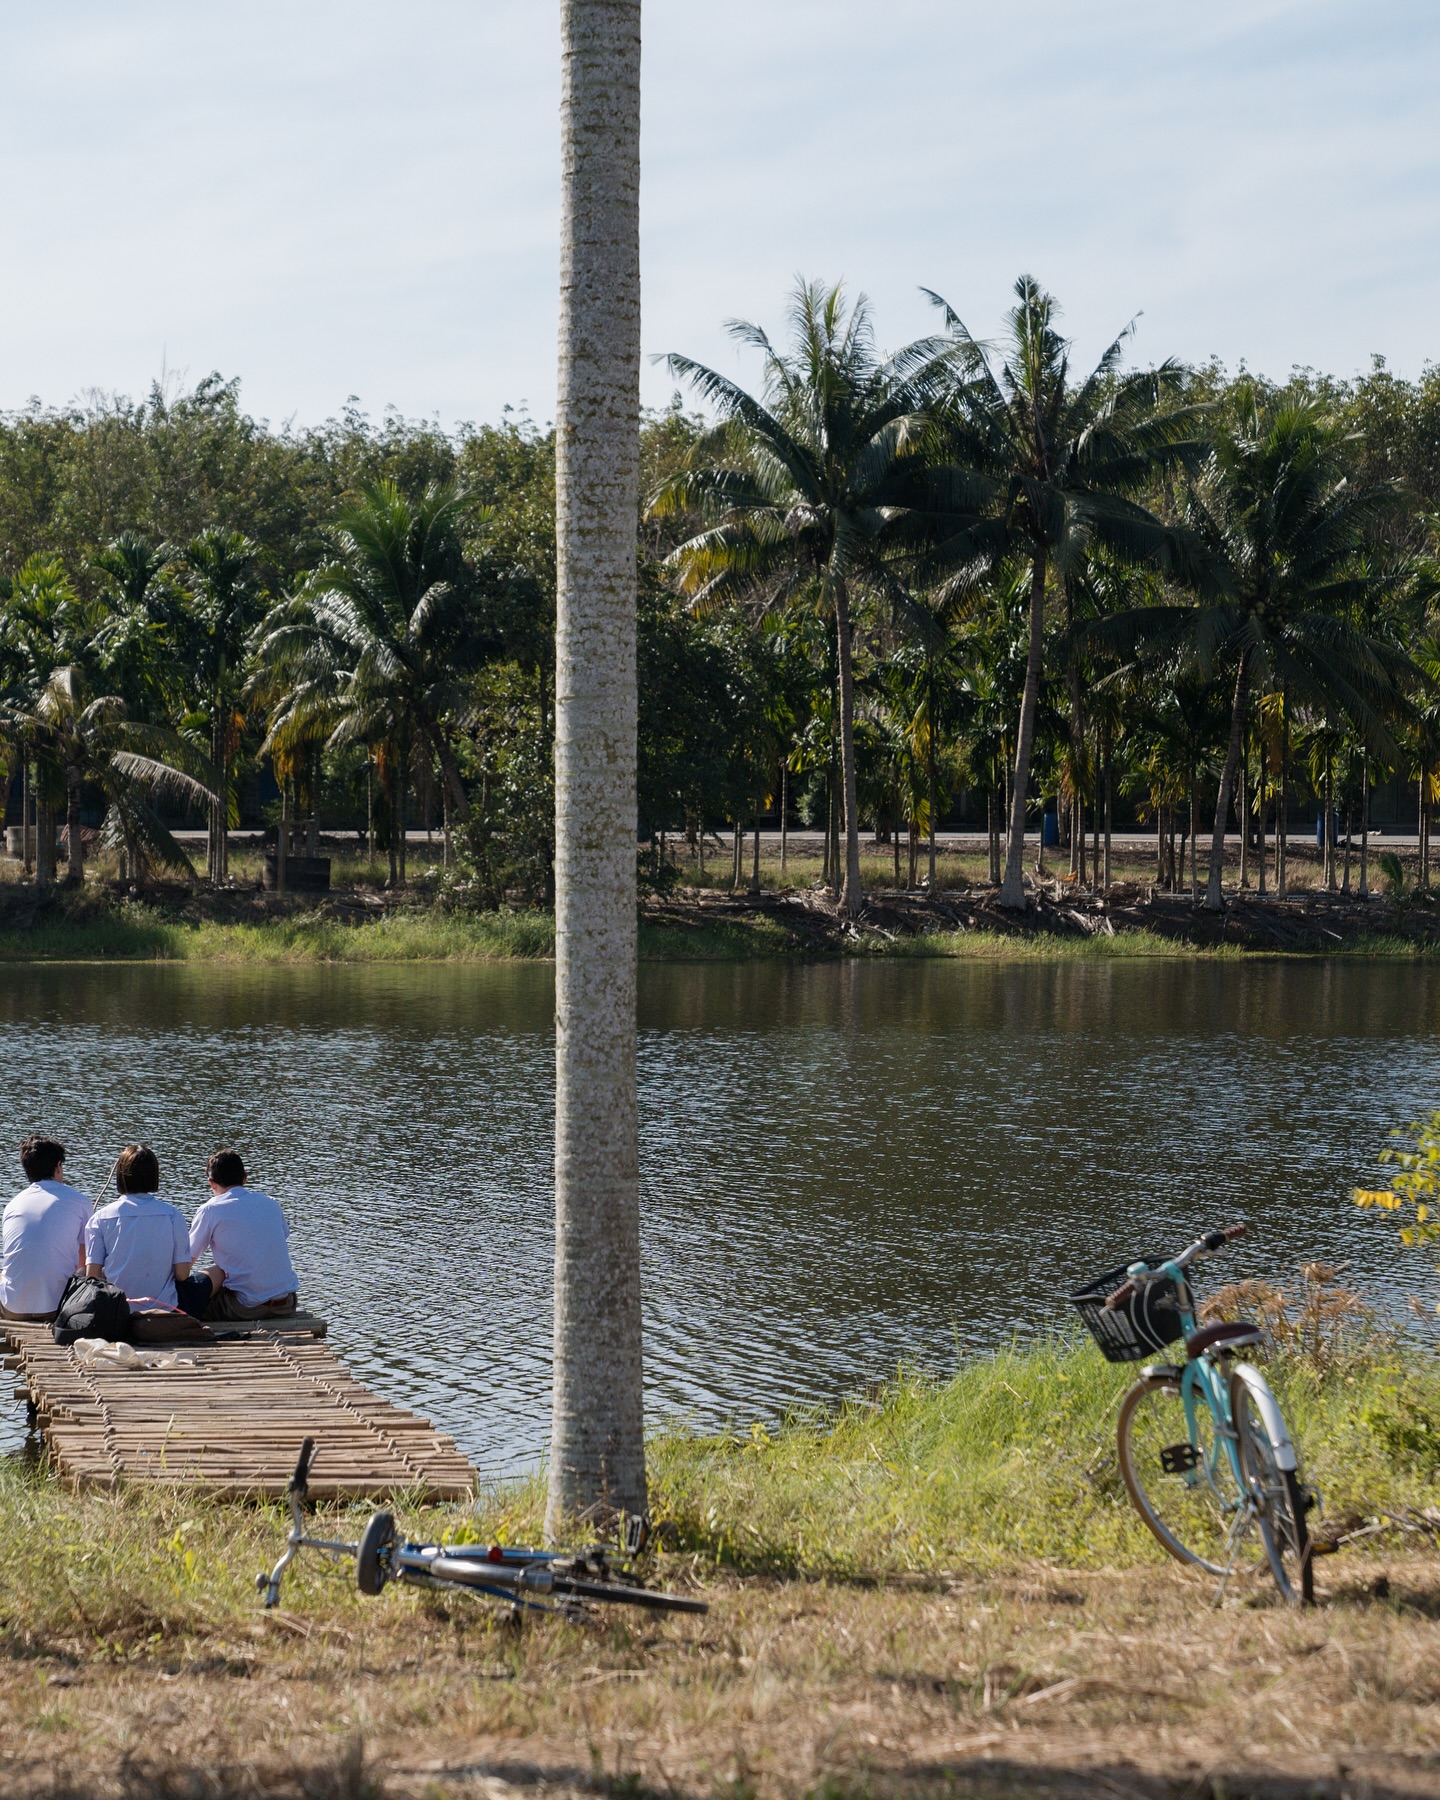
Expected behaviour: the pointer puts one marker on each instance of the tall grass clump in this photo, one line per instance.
(1012, 1459)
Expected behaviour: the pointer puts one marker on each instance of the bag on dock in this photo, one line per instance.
(90, 1307)
(166, 1325)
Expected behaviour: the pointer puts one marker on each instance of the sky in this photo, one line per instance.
(361, 199)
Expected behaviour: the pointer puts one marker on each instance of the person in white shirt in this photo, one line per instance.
(41, 1235)
(139, 1243)
(246, 1233)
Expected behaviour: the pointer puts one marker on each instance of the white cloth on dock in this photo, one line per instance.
(97, 1353)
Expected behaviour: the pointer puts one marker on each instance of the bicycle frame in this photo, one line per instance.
(1200, 1379)
(508, 1573)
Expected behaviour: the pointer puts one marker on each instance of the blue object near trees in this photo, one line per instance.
(1050, 827)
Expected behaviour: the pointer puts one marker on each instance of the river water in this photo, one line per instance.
(843, 1165)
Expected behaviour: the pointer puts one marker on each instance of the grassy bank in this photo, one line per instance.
(1011, 1460)
(940, 1591)
(342, 931)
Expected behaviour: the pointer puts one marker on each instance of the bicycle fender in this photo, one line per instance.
(1271, 1417)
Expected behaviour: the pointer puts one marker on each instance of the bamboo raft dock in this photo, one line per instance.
(230, 1425)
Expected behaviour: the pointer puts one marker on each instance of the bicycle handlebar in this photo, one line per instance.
(1208, 1245)
(300, 1480)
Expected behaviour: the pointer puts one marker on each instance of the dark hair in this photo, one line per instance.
(137, 1170)
(40, 1157)
(225, 1169)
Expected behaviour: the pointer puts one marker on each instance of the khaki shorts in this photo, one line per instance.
(226, 1305)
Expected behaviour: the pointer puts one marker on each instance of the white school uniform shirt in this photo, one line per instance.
(137, 1240)
(246, 1233)
(41, 1233)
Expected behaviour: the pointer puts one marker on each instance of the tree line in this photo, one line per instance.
(874, 592)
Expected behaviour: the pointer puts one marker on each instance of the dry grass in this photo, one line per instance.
(1043, 1680)
(937, 1592)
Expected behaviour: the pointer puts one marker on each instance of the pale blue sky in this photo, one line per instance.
(328, 197)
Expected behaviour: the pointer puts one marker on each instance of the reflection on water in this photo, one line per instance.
(844, 1165)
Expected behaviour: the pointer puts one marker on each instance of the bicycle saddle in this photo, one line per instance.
(1225, 1335)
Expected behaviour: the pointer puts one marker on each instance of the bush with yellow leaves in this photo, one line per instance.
(1414, 1189)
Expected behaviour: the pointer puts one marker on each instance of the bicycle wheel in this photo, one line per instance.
(1178, 1471)
(372, 1560)
(1280, 1502)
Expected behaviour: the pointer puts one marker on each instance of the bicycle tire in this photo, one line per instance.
(377, 1537)
(628, 1596)
(1284, 1531)
(1197, 1514)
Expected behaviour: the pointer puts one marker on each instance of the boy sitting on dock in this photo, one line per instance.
(41, 1235)
(139, 1243)
(247, 1234)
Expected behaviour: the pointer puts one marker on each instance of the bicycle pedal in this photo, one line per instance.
(1179, 1459)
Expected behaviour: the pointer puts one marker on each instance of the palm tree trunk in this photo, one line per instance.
(1243, 811)
(784, 818)
(1364, 821)
(895, 837)
(1214, 894)
(27, 808)
(852, 896)
(1282, 803)
(1263, 803)
(930, 770)
(392, 847)
(597, 1448)
(74, 846)
(1349, 820)
(282, 836)
(1328, 834)
(44, 840)
(369, 804)
(402, 796)
(1109, 804)
(1012, 889)
(1159, 844)
(755, 854)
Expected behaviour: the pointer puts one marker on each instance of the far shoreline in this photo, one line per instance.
(100, 926)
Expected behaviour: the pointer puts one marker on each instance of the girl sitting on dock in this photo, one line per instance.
(139, 1242)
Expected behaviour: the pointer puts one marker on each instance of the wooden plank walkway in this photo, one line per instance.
(231, 1426)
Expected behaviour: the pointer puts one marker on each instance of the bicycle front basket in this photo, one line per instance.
(1147, 1322)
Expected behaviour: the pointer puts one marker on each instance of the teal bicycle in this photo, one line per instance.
(1205, 1452)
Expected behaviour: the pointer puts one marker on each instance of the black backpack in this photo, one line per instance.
(91, 1308)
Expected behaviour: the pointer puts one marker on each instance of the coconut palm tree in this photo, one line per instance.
(1278, 533)
(224, 605)
(808, 488)
(597, 1444)
(1064, 463)
(150, 634)
(375, 647)
(93, 742)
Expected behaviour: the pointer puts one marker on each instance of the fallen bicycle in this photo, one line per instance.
(524, 1580)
